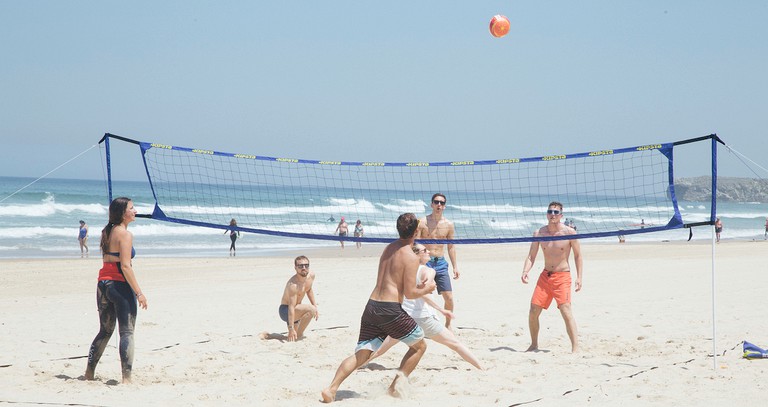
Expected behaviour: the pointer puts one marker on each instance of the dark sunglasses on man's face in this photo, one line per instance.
(438, 202)
(303, 266)
(553, 212)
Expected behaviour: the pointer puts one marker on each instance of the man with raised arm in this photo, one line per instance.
(555, 280)
(435, 226)
(384, 315)
(292, 311)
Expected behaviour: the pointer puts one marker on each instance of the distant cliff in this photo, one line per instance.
(729, 189)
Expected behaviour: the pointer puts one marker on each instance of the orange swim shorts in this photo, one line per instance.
(550, 285)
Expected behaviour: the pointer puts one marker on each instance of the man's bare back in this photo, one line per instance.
(397, 273)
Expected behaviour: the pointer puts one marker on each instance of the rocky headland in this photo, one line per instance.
(729, 189)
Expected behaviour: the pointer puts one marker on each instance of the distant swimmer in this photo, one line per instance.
(718, 228)
(359, 232)
(234, 233)
(82, 238)
(641, 225)
(765, 235)
(342, 230)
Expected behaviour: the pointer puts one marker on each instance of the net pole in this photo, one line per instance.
(714, 320)
(109, 169)
(713, 218)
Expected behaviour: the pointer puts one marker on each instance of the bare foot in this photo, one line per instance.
(328, 395)
(532, 348)
(264, 335)
(399, 386)
(88, 374)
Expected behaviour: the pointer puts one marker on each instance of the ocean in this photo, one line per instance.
(42, 221)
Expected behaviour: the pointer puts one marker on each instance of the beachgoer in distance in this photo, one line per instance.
(118, 289)
(555, 280)
(82, 238)
(718, 229)
(384, 316)
(436, 226)
(359, 231)
(292, 311)
(765, 235)
(342, 230)
(233, 235)
(425, 317)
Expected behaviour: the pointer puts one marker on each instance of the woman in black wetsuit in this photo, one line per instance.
(117, 290)
(233, 235)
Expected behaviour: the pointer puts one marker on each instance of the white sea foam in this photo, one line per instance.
(507, 208)
(334, 206)
(51, 208)
(404, 206)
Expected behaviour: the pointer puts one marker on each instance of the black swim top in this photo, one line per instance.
(117, 254)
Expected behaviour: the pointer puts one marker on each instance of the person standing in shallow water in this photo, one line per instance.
(342, 230)
(765, 235)
(233, 235)
(117, 290)
(359, 232)
(718, 229)
(82, 238)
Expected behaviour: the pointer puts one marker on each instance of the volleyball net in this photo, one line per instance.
(604, 193)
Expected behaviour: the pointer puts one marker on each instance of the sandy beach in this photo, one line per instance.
(644, 317)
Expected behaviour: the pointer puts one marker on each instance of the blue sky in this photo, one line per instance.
(380, 81)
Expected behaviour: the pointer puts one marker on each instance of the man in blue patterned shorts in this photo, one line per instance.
(384, 316)
(436, 226)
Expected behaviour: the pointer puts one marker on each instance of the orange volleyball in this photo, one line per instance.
(499, 26)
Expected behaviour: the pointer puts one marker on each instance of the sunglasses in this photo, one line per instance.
(302, 266)
(438, 202)
(553, 212)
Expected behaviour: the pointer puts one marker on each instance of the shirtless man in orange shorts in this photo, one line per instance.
(555, 280)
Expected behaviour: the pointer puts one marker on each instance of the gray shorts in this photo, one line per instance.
(430, 325)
